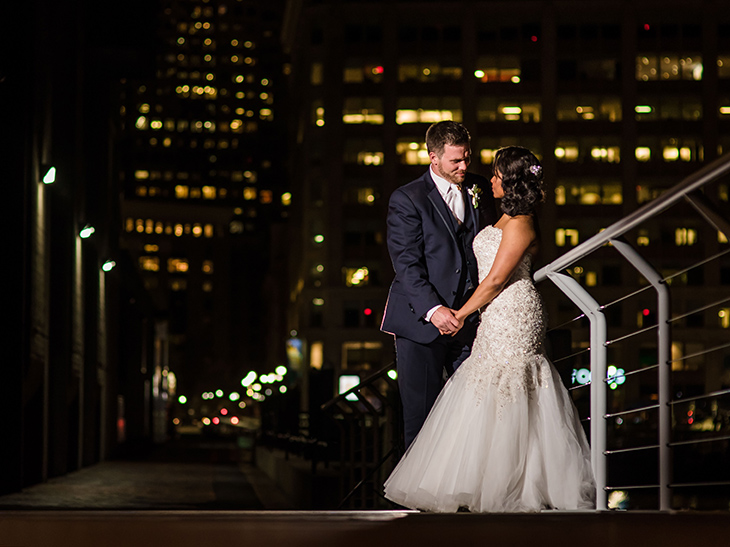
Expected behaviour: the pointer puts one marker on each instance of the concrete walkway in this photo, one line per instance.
(191, 474)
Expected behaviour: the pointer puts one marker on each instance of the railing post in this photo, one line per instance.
(587, 304)
(664, 353)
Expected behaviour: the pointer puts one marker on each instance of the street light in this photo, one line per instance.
(50, 176)
(86, 231)
(108, 265)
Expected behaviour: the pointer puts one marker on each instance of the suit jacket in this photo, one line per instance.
(432, 255)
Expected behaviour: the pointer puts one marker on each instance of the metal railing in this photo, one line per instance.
(615, 237)
(369, 419)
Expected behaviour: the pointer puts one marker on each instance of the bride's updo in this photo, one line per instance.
(521, 180)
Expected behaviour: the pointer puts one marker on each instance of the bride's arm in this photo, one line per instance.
(518, 235)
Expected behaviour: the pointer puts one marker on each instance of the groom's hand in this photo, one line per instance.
(443, 319)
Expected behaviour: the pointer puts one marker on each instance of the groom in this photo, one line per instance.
(432, 222)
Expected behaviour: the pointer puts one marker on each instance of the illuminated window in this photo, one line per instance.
(286, 198)
(643, 240)
(651, 67)
(724, 316)
(566, 236)
(141, 191)
(685, 236)
(412, 153)
(669, 107)
(209, 192)
(208, 230)
(589, 108)
(149, 263)
(588, 193)
(318, 114)
(364, 151)
(567, 152)
(363, 110)
(266, 196)
(182, 192)
(358, 71)
(723, 66)
(197, 230)
(249, 193)
(141, 123)
(356, 277)
(427, 109)
(366, 196)
(643, 153)
(129, 224)
(608, 154)
(177, 265)
(141, 175)
(498, 69)
(428, 71)
(207, 266)
(316, 355)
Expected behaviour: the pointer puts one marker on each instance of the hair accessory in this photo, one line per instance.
(535, 169)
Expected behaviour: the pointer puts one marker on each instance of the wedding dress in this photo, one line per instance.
(503, 435)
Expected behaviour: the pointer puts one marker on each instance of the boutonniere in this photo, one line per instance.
(476, 193)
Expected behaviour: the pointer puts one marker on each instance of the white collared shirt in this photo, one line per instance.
(443, 187)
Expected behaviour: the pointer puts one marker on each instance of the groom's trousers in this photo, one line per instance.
(421, 369)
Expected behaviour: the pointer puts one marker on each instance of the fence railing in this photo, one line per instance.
(369, 419)
(562, 272)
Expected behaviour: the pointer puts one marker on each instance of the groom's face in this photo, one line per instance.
(453, 163)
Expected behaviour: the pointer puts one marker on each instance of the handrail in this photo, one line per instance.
(613, 235)
(355, 389)
(714, 170)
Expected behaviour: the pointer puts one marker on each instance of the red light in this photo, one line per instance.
(646, 312)
(690, 413)
(368, 311)
(534, 38)
(646, 26)
(690, 421)
(234, 420)
(378, 70)
(224, 411)
(216, 420)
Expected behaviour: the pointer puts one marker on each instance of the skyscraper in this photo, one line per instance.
(202, 181)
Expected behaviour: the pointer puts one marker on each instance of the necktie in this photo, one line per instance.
(455, 201)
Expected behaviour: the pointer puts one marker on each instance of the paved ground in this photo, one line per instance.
(191, 474)
(199, 494)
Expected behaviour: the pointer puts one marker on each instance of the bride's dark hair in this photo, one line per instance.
(521, 180)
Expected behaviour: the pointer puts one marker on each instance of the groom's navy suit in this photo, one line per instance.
(434, 264)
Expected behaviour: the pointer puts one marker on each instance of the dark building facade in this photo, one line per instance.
(63, 377)
(620, 100)
(204, 193)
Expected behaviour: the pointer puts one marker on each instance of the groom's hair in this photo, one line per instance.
(447, 132)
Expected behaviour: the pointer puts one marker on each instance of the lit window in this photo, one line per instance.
(266, 196)
(209, 192)
(567, 153)
(412, 153)
(129, 224)
(724, 316)
(643, 240)
(249, 193)
(286, 198)
(177, 265)
(370, 158)
(685, 237)
(207, 266)
(141, 123)
(643, 153)
(318, 301)
(566, 236)
(208, 230)
(197, 230)
(356, 277)
(141, 191)
(182, 192)
(721, 237)
(149, 263)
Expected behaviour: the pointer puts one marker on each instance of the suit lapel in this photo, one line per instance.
(439, 205)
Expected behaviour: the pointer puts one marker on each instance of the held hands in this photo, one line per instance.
(445, 321)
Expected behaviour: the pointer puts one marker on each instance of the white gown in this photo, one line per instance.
(503, 435)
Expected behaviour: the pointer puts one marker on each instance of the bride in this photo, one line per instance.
(504, 434)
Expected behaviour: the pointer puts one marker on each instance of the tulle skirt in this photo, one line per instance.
(489, 453)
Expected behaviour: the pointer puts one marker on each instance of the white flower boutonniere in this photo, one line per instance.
(476, 193)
